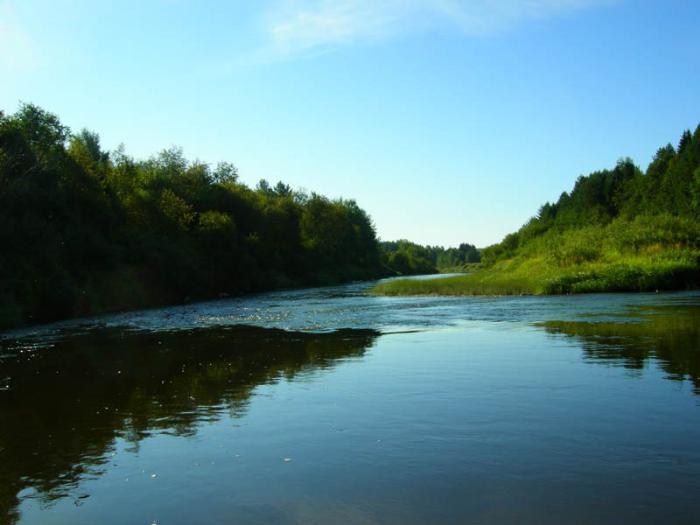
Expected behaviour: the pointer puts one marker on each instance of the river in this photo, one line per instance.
(329, 405)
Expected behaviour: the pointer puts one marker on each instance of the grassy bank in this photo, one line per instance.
(647, 253)
(618, 230)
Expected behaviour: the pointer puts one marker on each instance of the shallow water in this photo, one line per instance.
(331, 406)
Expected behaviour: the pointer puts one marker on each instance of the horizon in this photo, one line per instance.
(406, 108)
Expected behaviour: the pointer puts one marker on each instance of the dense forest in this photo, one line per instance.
(620, 229)
(86, 230)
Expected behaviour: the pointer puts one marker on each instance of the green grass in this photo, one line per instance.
(638, 255)
(462, 268)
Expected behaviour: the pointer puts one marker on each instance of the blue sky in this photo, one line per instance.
(447, 120)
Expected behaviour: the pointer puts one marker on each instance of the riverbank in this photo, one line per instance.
(512, 278)
(646, 254)
(130, 292)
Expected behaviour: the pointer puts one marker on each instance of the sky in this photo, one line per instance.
(449, 121)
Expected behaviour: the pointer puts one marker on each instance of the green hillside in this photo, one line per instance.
(621, 229)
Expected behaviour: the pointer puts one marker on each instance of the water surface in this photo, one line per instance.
(330, 406)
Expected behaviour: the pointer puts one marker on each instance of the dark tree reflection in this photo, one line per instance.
(62, 406)
(669, 336)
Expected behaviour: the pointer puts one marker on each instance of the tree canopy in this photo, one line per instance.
(670, 187)
(85, 230)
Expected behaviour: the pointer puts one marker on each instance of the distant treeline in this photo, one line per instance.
(85, 231)
(407, 258)
(621, 229)
(669, 190)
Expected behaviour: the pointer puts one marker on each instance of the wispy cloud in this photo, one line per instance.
(17, 50)
(299, 26)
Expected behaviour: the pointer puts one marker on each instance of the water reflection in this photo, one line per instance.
(668, 335)
(460, 404)
(62, 407)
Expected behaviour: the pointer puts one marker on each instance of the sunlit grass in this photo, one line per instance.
(591, 259)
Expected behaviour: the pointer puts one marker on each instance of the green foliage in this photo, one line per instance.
(407, 258)
(86, 231)
(177, 212)
(618, 230)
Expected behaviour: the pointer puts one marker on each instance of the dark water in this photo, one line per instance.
(330, 406)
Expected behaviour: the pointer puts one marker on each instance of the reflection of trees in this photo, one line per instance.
(67, 403)
(671, 336)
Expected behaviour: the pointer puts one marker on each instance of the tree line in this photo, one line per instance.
(86, 230)
(404, 257)
(667, 193)
(619, 229)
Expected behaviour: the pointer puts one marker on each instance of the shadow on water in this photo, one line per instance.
(63, 406)
(668, 335)
(71, 396)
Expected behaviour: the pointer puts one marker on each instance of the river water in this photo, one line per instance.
(328, 405)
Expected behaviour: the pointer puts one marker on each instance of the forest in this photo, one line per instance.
(404, 257)
(619, 229)
(88, 231)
